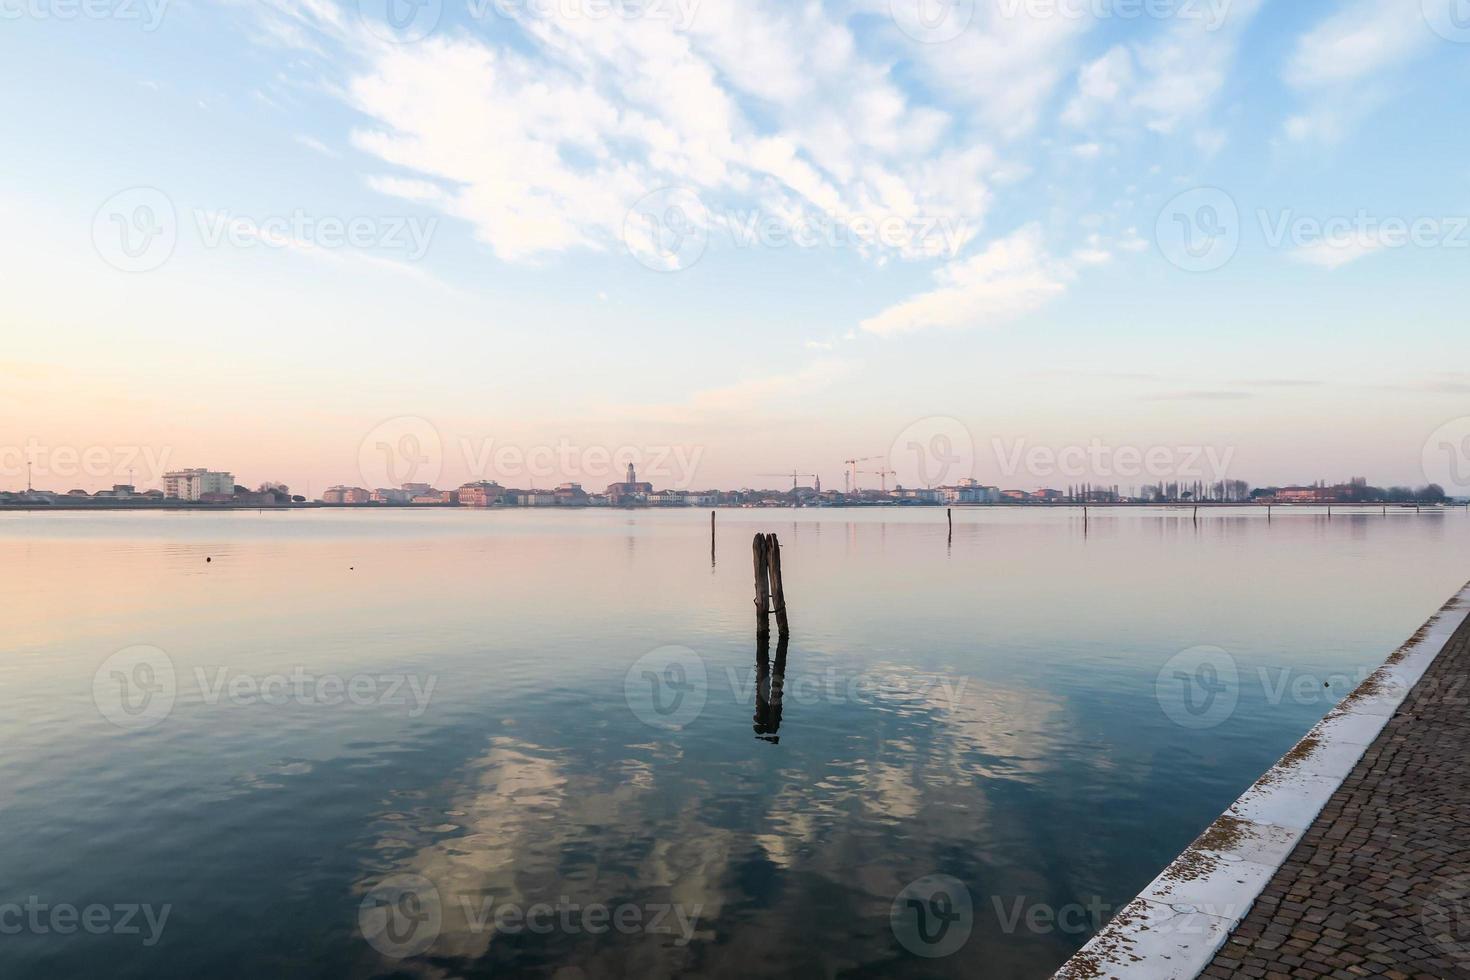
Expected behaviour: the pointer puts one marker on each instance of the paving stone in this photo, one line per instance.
(1380, 883)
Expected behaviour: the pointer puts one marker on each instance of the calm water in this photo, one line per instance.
(446, 744)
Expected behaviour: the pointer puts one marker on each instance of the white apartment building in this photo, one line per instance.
(197, 484)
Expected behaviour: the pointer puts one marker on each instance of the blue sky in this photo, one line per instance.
(980, 188)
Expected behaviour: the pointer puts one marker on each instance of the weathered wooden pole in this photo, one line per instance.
(762, 586)
(778, 591)
(711, 539)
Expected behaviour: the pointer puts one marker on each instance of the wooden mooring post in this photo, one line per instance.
(769, 589)
(762, 586)
(711, 539)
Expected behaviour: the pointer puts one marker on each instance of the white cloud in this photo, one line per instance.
(547, 150)
(1167, 81)
(1099, 85)
(761, 395)
(317, 146)
(1132, 241)
(1359, 40)
(1093, 253)
(1335, 64)
(1014, 276)
(1336, 251)
(1006, 65)
(418, 191)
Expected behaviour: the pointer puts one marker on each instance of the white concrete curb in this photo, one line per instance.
(1176, 925)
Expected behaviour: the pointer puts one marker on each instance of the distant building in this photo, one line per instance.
(970, 492)
(571, 495)
(480, 494)
(198, 485)
(119, 491)
(346, 495)
(1306, 495)
(630, 491)
(385, 495)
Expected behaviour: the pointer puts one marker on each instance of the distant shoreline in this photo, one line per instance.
(115, 506)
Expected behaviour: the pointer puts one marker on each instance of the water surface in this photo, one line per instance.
(557, 712)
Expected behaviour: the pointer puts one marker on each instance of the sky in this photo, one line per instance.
(1032, 242)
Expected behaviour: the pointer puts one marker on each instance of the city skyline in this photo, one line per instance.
(1154, 226)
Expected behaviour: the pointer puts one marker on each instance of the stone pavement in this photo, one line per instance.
(1380, 884)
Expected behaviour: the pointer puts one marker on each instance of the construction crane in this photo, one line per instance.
(882, 473)
(852, 471)
(796, 476)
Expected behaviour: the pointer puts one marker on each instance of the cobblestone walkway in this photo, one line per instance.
(1380, 884)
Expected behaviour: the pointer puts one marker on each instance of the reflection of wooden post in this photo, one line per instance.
(778, 591)
(762, 585)
(768, 685)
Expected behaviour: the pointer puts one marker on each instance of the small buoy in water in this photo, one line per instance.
(207, 559)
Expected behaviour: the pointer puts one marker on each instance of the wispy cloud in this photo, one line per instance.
(1012, 277)
(1335, 64)
(1334, 252)
(1204, 395)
